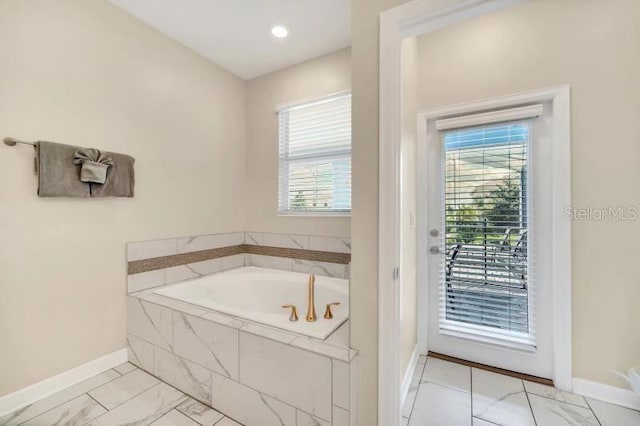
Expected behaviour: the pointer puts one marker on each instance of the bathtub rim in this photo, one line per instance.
(317, 330)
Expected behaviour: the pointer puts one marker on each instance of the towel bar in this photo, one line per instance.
(13, 142)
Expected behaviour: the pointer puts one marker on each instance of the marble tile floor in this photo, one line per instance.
(124, 395)
(448, 394)
(441, 393)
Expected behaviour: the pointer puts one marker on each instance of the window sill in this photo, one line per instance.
(288, 213)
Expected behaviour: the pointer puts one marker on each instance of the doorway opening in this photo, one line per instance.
(487, 286)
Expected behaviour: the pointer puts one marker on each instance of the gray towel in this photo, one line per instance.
(95, 164)
(120, 178)
(57, 175)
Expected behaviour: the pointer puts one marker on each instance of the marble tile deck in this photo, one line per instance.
(124, 395)
(448, 394)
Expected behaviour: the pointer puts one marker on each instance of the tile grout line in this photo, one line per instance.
(557, 400)
(50, 409)
(588, 407)
(156, 420)
(108, 411)
(134, 396)
(441, 386)
(190, 397)
(529, 402)
(471, 391)
(230, 378)
(414, 399)
(239, 368)
(484, 420)
(261, 393)
(219, 421)
(413, 404)
(211, 378)
(97, 402)
(171, 407)
(331, 387)
(594, 413)
(446, 386)
(67, 400)
(176, 409)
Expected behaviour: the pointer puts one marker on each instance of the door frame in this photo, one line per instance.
(560, 128)
(411, 19)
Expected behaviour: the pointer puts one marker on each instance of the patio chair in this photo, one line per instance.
(505, 243)
(512, 257)
(520, 248)
(519, 252)
(451, 256)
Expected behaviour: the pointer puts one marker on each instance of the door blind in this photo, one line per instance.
(485, 274)
(315, 156)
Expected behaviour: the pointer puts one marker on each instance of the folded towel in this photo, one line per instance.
(57, 175)
(120, 179)
(94, 165)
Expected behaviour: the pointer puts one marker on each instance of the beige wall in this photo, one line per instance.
(365, 16)
(84, 72)
(317, 77)
(410, 84)
(593, 46)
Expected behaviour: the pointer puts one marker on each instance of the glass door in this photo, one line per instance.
(482, 278)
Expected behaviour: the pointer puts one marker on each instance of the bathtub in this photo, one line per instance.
(257, 294)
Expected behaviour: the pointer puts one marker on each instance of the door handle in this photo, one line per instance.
(435, 250)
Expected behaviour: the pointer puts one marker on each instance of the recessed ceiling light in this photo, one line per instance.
(279, 31)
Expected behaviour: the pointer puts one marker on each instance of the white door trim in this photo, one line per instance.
(407, 20)
(561, 198)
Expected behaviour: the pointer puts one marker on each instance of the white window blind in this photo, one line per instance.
(487, 287)
(315, 156)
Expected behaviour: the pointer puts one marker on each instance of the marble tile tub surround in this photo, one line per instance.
(255, 374)
(159, 262)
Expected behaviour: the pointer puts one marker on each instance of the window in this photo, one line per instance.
(315, 157)
(486, 214)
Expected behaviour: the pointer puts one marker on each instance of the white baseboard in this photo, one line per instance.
(408, 375)
(25, 396)
(614, 395)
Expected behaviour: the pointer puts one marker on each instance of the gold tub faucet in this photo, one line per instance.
(294, 312)
(311, 307)
(327, 312)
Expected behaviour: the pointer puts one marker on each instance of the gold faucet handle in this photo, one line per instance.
(327, 312)
(294, 312)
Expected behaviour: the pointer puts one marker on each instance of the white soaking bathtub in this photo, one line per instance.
(257, 294)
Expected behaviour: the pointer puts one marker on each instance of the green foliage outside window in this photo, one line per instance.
(487, 217)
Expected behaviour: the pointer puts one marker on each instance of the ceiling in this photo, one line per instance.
(236, 34)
